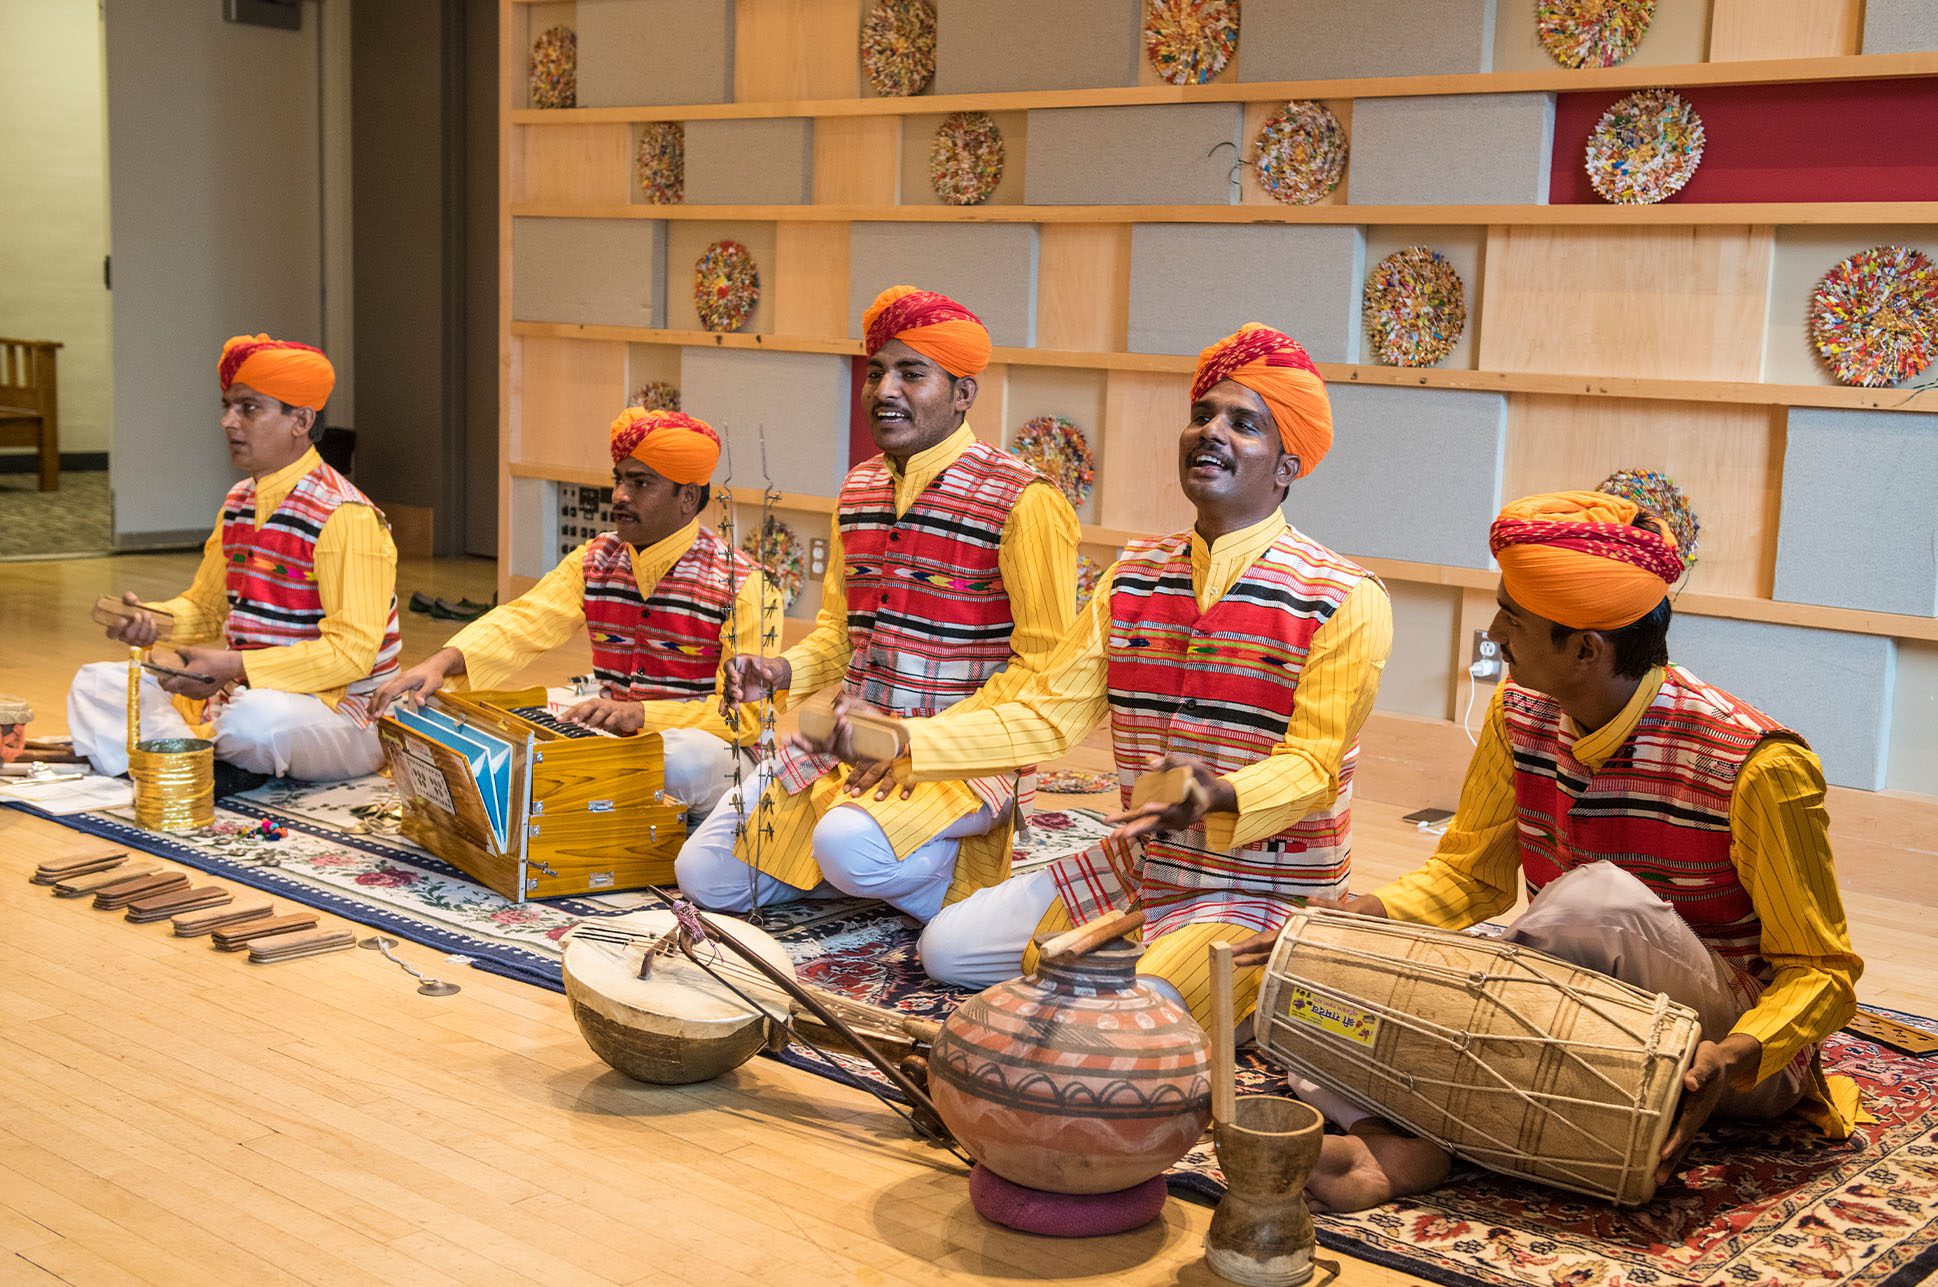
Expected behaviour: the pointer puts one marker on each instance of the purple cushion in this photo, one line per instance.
(1064, 1215)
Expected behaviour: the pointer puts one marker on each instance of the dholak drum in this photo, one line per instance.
(1505, 1056)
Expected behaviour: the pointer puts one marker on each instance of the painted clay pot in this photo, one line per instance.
(1075, 1079)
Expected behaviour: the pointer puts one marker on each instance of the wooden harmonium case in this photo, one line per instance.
(528, 804)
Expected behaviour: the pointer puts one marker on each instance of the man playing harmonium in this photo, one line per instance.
(952, 568)
(1240, 650)
(290, 622)
(665, 599)
(1669, 834)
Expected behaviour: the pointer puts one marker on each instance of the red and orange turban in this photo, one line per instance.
(935, 326)
(1578, 559)
(1272, 364)
(672, 444)
(285, 370)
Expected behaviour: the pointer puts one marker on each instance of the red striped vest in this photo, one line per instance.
(665, 645)
(1658, 809)
(1221, 685)
(271, 574)
(928, 613)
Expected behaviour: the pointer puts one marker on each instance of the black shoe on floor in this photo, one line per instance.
(230, 780)
(421, 602)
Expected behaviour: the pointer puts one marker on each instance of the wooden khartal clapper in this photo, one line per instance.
(1901, 1037)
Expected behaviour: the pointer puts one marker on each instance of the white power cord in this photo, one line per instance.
(1486, 668)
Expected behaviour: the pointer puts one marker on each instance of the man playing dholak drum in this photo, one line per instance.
(665, 599)
(1611, 780)
(951, 568)
(292, 614)
(1242, 650)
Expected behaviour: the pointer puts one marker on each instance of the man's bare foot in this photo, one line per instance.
(1371, 1165)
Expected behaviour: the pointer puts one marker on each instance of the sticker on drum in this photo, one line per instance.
(1327, 1015)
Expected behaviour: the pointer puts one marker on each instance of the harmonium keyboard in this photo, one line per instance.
(527, 803)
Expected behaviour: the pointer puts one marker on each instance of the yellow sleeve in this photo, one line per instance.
(1043, 715)
(356, 577)
(1038, 562)
(201, 610)
(753, 630)
(821, 657)
(1780, 843)
(497, 645)
(1474, 872)
(1336, 690)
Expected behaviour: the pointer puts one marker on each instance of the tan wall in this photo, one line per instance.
(53, 202)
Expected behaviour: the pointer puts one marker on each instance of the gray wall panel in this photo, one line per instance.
(990, 268)
(988, 46)
(1133, 155)
(1413, 474)
(1192, 284)
(800, 401)
(735, 163)
(1834, 688)
(1451, 149)
(1320, 39)
(611, 272)
(1882, 465)
(638, 52)
(1898, 26)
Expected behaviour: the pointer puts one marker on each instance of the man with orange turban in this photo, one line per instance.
(291, 619)
(1669, 834)
(1241, 651)
(665, 599)
(951, 572)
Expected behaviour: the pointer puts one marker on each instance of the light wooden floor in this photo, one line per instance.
(173, 1114)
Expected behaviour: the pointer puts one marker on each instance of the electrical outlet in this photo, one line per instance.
(817, 556)
(1485, 648)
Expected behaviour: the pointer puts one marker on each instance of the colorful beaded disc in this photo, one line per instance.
(1415, 307)
(726, 286)
(1874, 317)
(1592, 33)
(656, 395)
(1057, 449)
(1645, 148)
(1657, 492)
(780, 552)
(661, 163)
(1300, 153)
(1190, 41)
(898, 47)
(966, 162)
(1088, 571)
(1075, 782)
(553, 78)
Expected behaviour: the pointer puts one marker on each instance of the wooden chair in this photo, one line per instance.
(30, 403)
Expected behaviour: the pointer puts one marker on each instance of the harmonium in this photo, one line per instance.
(527, 803)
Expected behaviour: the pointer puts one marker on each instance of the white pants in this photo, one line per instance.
(259, 729)
(853, 852)
(1603, 919)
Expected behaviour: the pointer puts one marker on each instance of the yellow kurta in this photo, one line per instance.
(356, 578)
(1070, 697)
(499, 644)
(1779, 844)
(1038, 563)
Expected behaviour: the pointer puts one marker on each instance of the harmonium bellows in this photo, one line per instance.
(529, 805)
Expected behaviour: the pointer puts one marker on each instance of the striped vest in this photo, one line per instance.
(1221, 685)
(666, 645)
(1658, 809)
(271, 574)
(928, 613)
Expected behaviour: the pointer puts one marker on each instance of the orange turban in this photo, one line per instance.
(1272, 364)
(289, 372)
(670, 443)
(935, 326)
(1578, 559)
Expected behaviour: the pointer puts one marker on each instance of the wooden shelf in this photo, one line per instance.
(1667, 215)
(1737, 607)
(1553, 81)
(1718, 391)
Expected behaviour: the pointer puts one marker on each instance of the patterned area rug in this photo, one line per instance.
(1764, 1204)
(76, 520)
